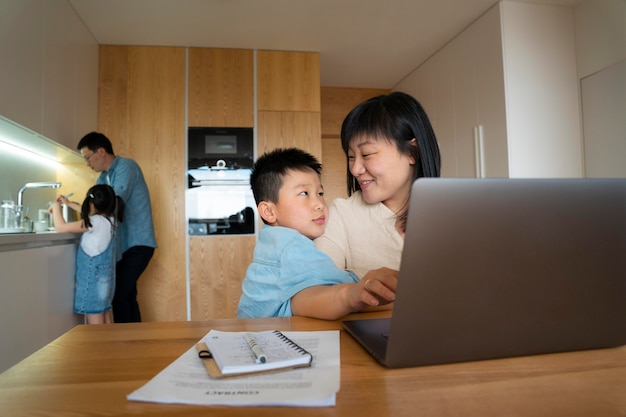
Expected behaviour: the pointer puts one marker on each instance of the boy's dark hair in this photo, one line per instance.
(105, 201)
(94, 141)
(270, 169)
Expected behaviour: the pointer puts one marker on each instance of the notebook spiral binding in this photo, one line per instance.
(291, 343)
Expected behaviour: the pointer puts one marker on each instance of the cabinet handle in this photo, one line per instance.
(479, 151)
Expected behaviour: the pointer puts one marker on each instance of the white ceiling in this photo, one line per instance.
(362, 43)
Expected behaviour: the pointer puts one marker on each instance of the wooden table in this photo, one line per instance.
(89, 371)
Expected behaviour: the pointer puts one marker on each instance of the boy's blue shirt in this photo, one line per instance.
(285, 262)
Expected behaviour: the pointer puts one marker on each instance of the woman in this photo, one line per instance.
(389, 143)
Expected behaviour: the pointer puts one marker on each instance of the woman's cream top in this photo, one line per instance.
(361, 237)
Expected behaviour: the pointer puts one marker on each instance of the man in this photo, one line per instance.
(136, 239)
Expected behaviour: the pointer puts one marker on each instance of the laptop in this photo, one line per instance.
(495, 268)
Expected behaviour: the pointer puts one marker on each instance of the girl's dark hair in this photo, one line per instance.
(105, 201)
(398, 118)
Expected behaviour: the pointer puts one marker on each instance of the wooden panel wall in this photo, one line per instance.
(142, 110)
(336, 103)
(221, 87)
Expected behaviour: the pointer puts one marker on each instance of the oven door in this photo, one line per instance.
(220, 208)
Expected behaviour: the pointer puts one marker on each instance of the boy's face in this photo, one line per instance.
(301, 205)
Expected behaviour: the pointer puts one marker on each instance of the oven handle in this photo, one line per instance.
(205, 183)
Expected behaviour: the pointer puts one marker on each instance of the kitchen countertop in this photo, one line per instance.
(19, 241)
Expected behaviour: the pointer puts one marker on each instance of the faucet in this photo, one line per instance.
(35, 185)
(18, 214)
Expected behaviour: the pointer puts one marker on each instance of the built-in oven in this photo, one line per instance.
(218, 198)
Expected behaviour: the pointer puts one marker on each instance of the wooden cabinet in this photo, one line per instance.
(221, 87)
(511, 75)
(217, 266)
(288, 101)
(288, 81)
(289, 129)
(288, 114)
(49, 71)
(142, 108)
(220, 94)
(142, 111)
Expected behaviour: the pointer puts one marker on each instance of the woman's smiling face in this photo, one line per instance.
(383, 173)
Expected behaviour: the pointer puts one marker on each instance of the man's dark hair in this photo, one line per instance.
(94, 141)
(271, 167)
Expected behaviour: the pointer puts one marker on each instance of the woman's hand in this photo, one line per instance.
(376, 288)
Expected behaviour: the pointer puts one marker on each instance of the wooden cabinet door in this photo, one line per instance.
(218, 265)
(288, 81)
(221, 87)
(289, 129)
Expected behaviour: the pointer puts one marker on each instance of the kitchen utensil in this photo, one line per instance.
(27, 226)
(40, 226)
(7, 219)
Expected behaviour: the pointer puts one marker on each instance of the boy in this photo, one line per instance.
(288, 275)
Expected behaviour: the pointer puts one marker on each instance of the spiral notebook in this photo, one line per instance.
(228, 354)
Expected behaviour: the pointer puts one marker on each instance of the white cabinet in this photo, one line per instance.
(462, 90)
(510, 79)
(49, 71)
(36, 299)
(21, 54)
(604, 108)
(601, 56)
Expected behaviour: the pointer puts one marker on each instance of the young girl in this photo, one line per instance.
(95, 260)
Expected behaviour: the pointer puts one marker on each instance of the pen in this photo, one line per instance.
(256, 349)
